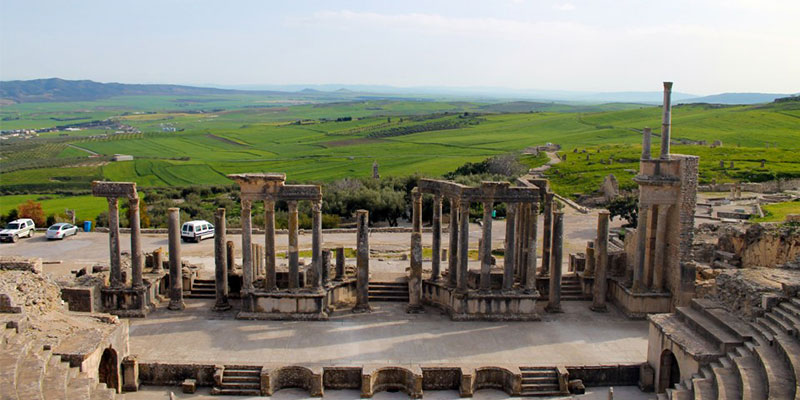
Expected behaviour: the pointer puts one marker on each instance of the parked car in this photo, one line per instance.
(195, 231)
(23, 227)
(61, 230)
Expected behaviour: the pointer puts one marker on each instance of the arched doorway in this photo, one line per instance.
(108, 371)
(669, 372)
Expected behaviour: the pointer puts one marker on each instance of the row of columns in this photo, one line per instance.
(137, 262)
(651, 231)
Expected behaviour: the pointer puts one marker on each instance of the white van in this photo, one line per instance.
(196, 231)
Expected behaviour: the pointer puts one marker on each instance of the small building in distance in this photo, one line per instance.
(122, 157)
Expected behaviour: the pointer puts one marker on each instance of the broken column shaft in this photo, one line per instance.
(175, 270)
(601, 274)
(362, 262)
(115, 269)
(220, 261)
(554, 296)
(340, 259)
(415, 276)
(666, 121)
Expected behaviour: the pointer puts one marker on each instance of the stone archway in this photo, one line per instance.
(669, 371)
(108, 370)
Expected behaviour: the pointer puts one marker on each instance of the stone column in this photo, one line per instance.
(650, 238)
(220, 261)
(463, 246)
(247, 247)
(646, 134)
(554, 297)
(641, 248)
(270, 280)
(115, 268)
(547, 241)
(326, 266)
(415, 278)
(340, 264)
(230, 255)
(666, 121)
(158, 260)
(661, 244)
(436, 238)
(452, 262)
(294, 269)
(316, 243)
(137, 262)
(362, 262)
(486, 247)
(601, 275)
(590, 258)
(175, 270)
(416, 209)
(510, 261)
(533, 222)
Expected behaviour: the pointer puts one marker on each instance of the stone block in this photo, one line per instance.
(130, 374)
(287, 305)
(189, 385)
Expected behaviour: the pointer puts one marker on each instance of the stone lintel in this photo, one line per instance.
(259, 186)
(300, 192)
(657, 180)
(260, 178)
(488, 191)
(114, 189)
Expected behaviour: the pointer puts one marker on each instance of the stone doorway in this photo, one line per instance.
(669, 372)
(108, 371)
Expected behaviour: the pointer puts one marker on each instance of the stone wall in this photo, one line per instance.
(756, 187)
(762, 245)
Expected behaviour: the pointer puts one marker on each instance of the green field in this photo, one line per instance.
(777, 212)
(86, 207)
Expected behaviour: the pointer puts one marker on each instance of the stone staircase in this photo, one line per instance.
(31, 371)
(540, 381)
(203, 289)
(571, 288)
(240, 381)
(388, 291)
(761, 359)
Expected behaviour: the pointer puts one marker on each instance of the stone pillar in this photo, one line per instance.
(510, 261)
(666, 121)
(415, 278)
(326, 266)
(547, 241)
(533, 226)
(463, 246)
(452, 262)
(158, 260)
(175, 269)
(646, 143)
(340, 264)
(554, 297)
(661, 244)
(316, 243)
(601, 276)
(641, 248)
(220, 261)
(519, 227)
(486, 247)
(362, 262)
(137, 262)
(270, 280)
(230, 255)
(115, 269)
(590, 260)
(247, 247)
(436, 238)
(416, 209)
(650, 237)
(294, 269)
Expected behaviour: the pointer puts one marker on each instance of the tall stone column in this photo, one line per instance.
(415, 278)
(416, 209)
(510, 251)
(486, 247)
(362, 262)
(533, 226)
(326, 266)
(270, 280)
(316, 243)
(600, 287)
(175, 270)
(547, 240)
(649, 249)
(220, 261)
(452, 262)
(463, 246)
(646, 134)
(115, 268)
(522, 240)
(641, 247)
(666, 121)
(247, 247)
(230, 255)
(436, 238)
(340, 258)
(137, 261)
(294, 268)
(554, 297)
(661, 244)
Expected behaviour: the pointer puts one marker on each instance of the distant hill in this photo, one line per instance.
(737, 98)
(55, 89)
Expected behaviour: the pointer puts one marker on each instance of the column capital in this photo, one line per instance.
(112, 201)
(292, 204)
(663, 210)
(316, 206)
(463, 206)
(247, 204)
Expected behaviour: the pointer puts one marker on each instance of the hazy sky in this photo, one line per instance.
(705, 46)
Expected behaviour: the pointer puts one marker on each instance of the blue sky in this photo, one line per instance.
(705, 46)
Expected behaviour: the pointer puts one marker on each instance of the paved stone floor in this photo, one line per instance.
(598, 393)
(389, 335)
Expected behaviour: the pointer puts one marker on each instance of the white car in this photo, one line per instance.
(23, 227)
(61, 230)
(195, 231)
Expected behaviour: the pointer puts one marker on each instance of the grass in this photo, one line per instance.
(779, 211)
(86, 207)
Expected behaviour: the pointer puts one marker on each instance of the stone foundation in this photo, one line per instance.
(299, 305)
(638, 305)
(473, 305)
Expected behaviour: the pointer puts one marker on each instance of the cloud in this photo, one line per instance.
(564, 7)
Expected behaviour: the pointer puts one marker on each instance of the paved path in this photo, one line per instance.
(389, 335)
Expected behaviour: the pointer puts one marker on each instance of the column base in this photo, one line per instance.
(553, 308)
(415, 309)
(221, 306)
(176, 305)
(362, 308)
(601, 308)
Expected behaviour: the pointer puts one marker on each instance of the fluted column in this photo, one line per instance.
(510, 251)
(661, 245)
(316, 243)
(436, 238)
(247, 246)
(115, 268)
(463, 246)
(294, 267)
(452, 253)
(486, 247)
(137, 262)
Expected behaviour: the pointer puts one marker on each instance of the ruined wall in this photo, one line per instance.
(762, 245)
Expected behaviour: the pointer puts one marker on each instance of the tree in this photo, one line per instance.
(625, 207)
(33, 210)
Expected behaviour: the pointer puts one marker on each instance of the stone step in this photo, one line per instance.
(102, 392)
(200, 296)
(790, 308)
(204, 287)
(795, 301)
(541, 387)
(389, 291)
(232, 371)
(749, 373)
(80, 388)
(679, 394)
(773, 368)
(388, 298)
(240, 385)
(792, 321)
(735, 326)
(211, 281)
(708, 329)
(766, 329)
(789, 350)
(783, 326)
(727, 381)
(31, 373)
(11, 359)
(242, 379)
(539, 379)
(236, 392)
(704, 388)
(56, 378)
